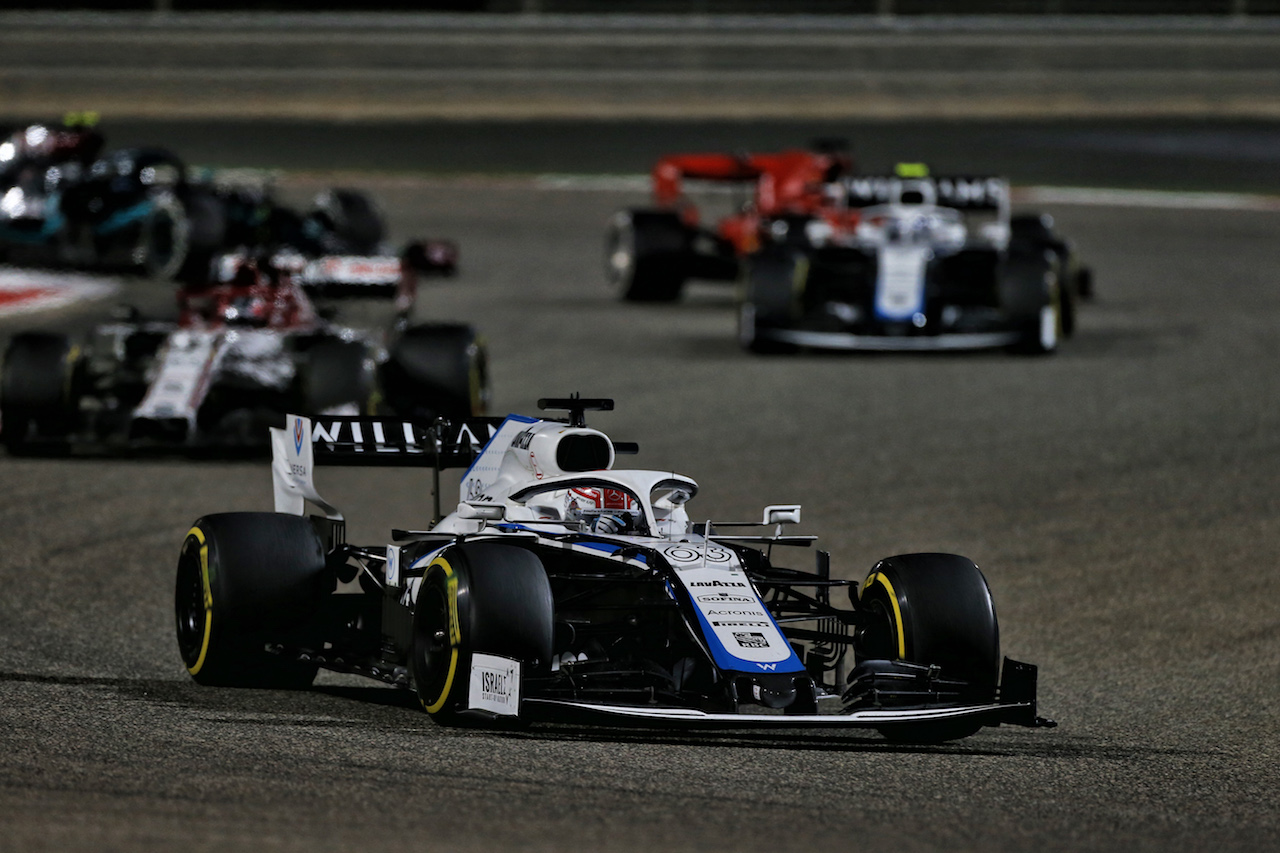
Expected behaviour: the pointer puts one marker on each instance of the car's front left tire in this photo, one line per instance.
(932, 610)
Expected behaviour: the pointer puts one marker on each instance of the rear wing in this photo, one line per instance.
(353, 275)
(337, 276)
(968, 193)
(305, 443)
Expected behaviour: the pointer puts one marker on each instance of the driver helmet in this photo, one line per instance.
(249, 309)
(602, 509)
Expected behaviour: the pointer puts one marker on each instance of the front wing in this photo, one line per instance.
(1016, 706)
(891, 343)
(585, 713)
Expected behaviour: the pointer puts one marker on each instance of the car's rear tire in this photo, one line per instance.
(38, 393)
(246, 580)
(1031, 295)
(337, 374)
(484, 597)
(647, 255)
(436, 371)
(932, 609)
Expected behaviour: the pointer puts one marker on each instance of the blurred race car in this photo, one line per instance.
(832, 259)
(651, 252)
(561, 589)
(64, 203)
(933, 262)
(246, 348)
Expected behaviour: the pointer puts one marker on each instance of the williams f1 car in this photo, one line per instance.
(562, 589)
(829, 259)
(63, 202)
(928, 263)
(245, 349)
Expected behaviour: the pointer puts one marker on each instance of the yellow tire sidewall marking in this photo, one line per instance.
(455, 630)
(879, 577)
(799, 281)
(198, 534)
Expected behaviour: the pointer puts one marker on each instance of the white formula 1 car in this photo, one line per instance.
(561, 589)
(914, 263)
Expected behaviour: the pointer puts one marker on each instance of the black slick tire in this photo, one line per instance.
(436, 371)
(647, 255)
(773, 280)
(37, 393)
(484, 597)
(337, 373)
(1033, 298)
(932, 609)
(246, 580)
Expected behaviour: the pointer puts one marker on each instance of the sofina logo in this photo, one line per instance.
(297, 435)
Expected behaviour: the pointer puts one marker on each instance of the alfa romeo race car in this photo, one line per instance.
(65, 203)
(245, 349)
(562, 589)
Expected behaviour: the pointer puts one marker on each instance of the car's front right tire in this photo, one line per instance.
(476, 597)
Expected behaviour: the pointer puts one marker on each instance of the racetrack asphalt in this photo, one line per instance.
(1120, 497)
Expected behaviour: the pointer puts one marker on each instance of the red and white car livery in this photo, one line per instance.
(246, 347)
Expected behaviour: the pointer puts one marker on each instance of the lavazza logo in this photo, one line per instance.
(717, 583)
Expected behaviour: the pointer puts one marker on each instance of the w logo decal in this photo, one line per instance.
(769, 666)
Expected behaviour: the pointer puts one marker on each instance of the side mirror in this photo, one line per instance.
(482, 511)
(782, 514)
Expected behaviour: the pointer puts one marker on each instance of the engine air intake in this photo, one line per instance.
(585, 452)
